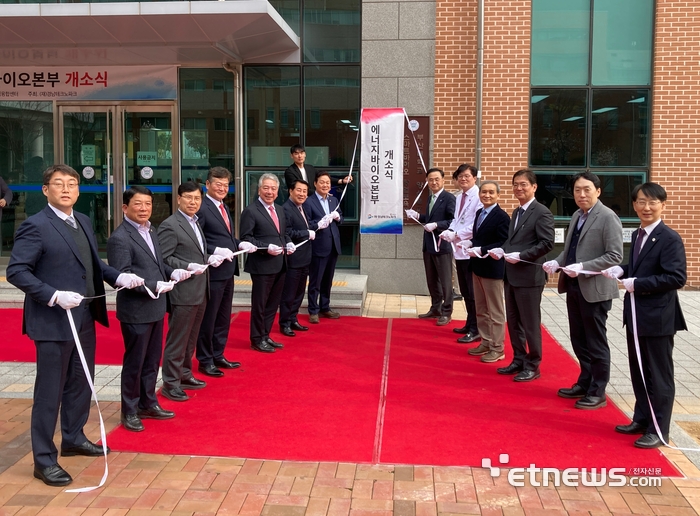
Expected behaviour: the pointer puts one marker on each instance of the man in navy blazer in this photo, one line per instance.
(326, 215)
(654, 274)
(301, 230)
(437, 253)
(55, 263)
(215, 220)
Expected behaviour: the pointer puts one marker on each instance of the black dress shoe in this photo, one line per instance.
(287, 331)
(444, 320)
(469, 338)
(513, 368)
(192, 384)
(591, 402)
(54, 476)
(649, 441)
(89, 449)
(526, 376)
(456, 296)
(174, 394)
(576, 391)
(132, 423)
(222, 363)
(298, 327)
(156, 412)
(210, 370)
(274, 344)
(633, 428)
(262, 346)
(462, 331)
(429, 315)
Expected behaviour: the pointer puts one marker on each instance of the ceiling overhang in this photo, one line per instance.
(197, 33)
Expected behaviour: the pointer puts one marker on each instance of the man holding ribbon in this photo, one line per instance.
(593, 243)
(55, 263)
(652, 315)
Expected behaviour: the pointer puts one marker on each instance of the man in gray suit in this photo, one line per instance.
(133, 247)
(530, 238)
(593, 243)
(183, 246)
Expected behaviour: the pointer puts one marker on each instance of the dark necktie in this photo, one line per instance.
(482, 216)
(461, 202)
(638, 244)
(519, 218)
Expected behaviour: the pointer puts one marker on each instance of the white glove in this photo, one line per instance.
(613, 272)
(628, 283)
(550, 267)
(474, 252)
(572, 269)
(335, 215)
(290, 248)
(465, 244)
(512, 257)
(164, 286)
(196, 268)
(180, 275)
(312, 234)
(448, 236)
(129, 280)
(215, 260)
(496, 253)
(412, 214)
(247, 246)
(430, 227)
(323, 223)
(67, 300)
(274, 250)
(225, 252)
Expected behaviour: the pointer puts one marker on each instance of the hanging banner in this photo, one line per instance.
(381, 168)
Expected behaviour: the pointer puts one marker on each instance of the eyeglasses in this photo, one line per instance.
(521, 185)
(60, 185)
(644, 204)
(190, 198)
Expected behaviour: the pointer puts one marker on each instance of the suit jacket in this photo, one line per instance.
(258, 228)
(45, 258)
(298, 231)
(443, 213)
(599, 247)
(292, 174)
(660, 270)
(180, 247)
(5, 193)
(212, 223)
(492, 233)
(329, 238)
(127, 251)
(533, 238)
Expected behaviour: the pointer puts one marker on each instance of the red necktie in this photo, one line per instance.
(461, 203)
(225, 216)
(273, 214)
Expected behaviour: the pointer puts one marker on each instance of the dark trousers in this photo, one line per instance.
(657, 367)
(143, 347)
(183, 328)
(466, 288)
(292, 295)
(438, 274)
(264, 302)
(214, 330)
(524, 319)
(321, 272)
(61, 384)
(589, 339)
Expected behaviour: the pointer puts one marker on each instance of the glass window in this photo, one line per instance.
(332, 31)
(560, 36)
(289, 10)
(558, 127)
(269, 91)
(620, 128)
(332, 111)
(622, 40)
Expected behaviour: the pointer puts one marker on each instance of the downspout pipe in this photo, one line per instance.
(236, 70)
(479, 84)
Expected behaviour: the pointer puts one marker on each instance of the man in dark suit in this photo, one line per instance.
(325, 249)
(530, 238)
(55, 263)
(437, 253)
(593, 243)
(300, 170)
(215, 220)
(5, 200)
(263, 224)
(133, 247)
(655, 272)
(184, 246)
(299, 230)
(489, 232)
